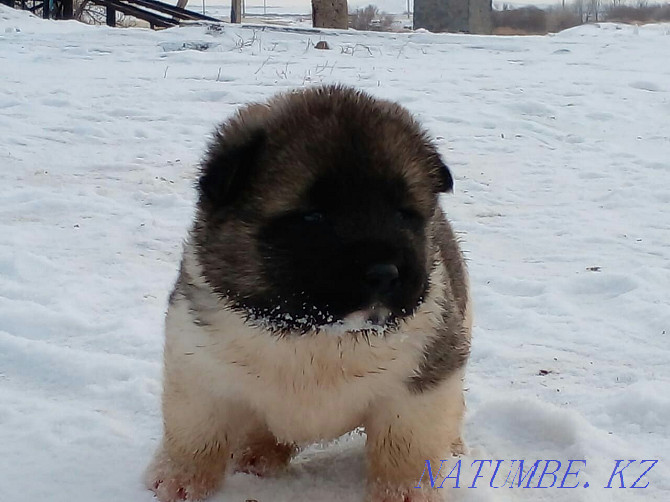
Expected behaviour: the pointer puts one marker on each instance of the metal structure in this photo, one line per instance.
(158, 14)
(49, 9)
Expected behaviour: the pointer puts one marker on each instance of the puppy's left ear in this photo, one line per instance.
(445, 180)
(229, 166)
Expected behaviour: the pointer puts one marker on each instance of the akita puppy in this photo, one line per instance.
(321, 289)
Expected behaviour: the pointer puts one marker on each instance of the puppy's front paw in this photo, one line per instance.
(173, 481)
(385, 493)
(264, 458)
(458, 447)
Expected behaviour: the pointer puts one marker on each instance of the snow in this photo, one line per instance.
(560, 146)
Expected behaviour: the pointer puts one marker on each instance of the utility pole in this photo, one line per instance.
(236, 11)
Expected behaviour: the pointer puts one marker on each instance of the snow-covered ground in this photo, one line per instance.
(561, 150)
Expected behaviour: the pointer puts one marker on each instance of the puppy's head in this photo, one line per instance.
(316, 210)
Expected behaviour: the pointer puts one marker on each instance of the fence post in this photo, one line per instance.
(68, 9)
(236, 11)
(111, 16)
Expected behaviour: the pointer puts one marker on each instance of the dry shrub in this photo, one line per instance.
(526, 20)
(370, 19)
(559, 19)
(630, 14)
(639, 14)
(386, 22)
(361, 19)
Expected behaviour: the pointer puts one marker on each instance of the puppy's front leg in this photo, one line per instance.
(406, 430)
(191, 460)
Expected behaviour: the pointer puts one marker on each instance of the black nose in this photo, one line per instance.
(382, 277)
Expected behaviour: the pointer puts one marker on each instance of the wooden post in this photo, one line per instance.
(111, 16)
(330, 14)
(68, 9)
(236, 11)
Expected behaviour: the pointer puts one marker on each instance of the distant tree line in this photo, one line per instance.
(533, 20)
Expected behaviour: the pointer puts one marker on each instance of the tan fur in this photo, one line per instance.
(222, 393)
(405, 430)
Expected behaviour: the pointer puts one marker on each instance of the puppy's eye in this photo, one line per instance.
(314, 217)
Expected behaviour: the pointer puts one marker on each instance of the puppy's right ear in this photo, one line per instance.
(229, 166)
(446, 183)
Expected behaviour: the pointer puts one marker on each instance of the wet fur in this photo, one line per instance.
(255, 364)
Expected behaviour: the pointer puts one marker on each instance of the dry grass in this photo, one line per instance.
(523, 21)
(559, 19)
(507, 31)
(640, 15)
(535, 21)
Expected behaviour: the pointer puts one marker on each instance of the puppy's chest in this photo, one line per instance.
(325, 383)
(315, 365)
(310, 387)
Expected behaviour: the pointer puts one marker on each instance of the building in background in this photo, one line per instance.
(464, 16)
